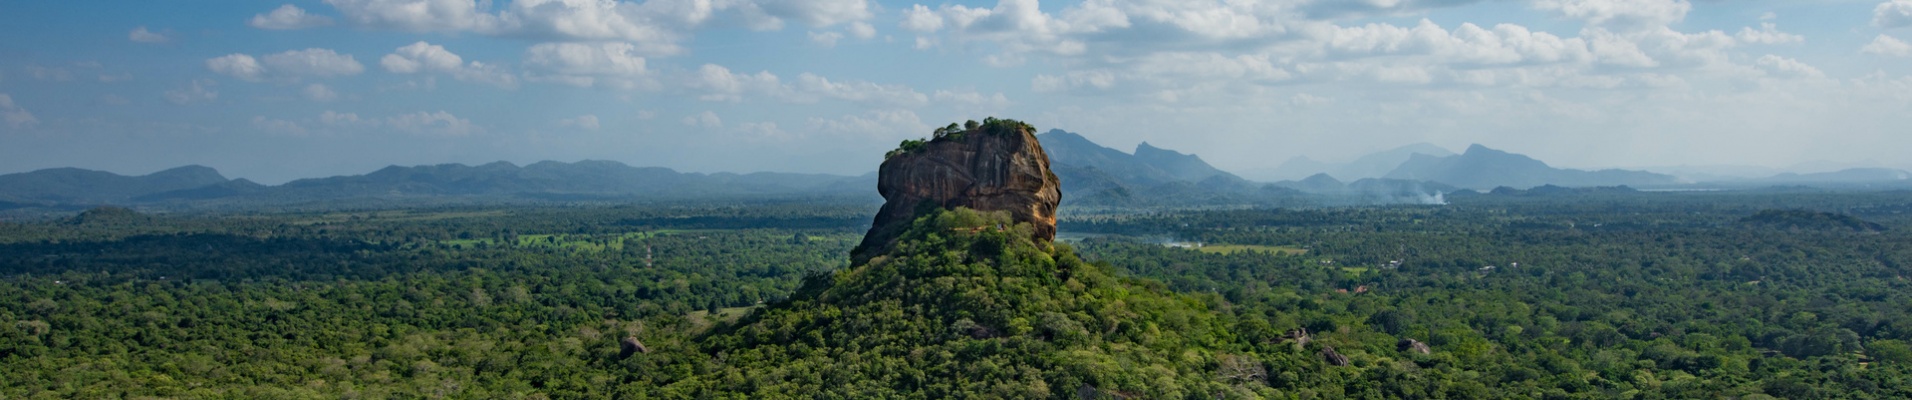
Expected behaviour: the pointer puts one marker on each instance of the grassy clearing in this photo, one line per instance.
(1231, 248)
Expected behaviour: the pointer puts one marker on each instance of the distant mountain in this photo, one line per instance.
(1853, 175)
(1484, 168)
(546, 180)
(1096, 175)
(1374, 165)
(81, 186)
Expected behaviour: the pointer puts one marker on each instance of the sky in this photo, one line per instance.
(274, 91)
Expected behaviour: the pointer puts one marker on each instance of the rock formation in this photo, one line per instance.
(1332, 357)
(1408, 344)
(994, 166)
(630, 346)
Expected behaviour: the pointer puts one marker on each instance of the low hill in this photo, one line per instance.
(1810, 220)
(82, 186)
(1484, 168)
(968, 305)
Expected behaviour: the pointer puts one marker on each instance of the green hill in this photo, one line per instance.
(967, 305)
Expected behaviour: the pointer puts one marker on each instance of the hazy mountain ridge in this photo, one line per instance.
(1092, 175)
(1484, 168)
(72, 186)
(1374, 165)
(1097, 175)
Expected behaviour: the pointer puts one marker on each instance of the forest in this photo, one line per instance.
(1602, 294)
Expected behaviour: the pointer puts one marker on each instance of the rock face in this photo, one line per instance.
(997, 166)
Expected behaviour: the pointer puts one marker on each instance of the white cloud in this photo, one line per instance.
(432, 123)
(706, 120)
(318, 92)
(290, 65)
(312, 62)
(1787, 67)
(921, 19)
(825, 39)
(16, 117)
(1073, 80)
(972, 98)
(653, 27)
(879, 124)
(719, 84)
(1887, 46)
(238, 66)
(55, 74)
(819, 12)
(339, 119)
(587, 64)
(278, 126)
(200, 90)
(288, 17)
(1768, 33)
(422, 57)
(142, 35)
(1620, 14)
(859, 91)
(861, 30)
(1892, 14)
(585, 122)
(418, 15)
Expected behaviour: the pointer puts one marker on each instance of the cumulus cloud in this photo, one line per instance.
(432, 123)
(44, 73)
(825, 39)
(814, 13)
(1620, 14)
(859, 91)
(288, 17)
(654, 27)
(1892, 14)
(278, 126)
(422, 57)
(339, 119)
(587, 122)
(719, 84)
(879, 124)
(1768, 33)
(199, 91)
(318, 92)
(289, 65)
(1887, 46)
(971, 98)
(16, 117)
(587, 64)
(1787, 67)
(142, 35)
(238, 66)
(706, 120)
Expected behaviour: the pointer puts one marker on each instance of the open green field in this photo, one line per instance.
(1231, 248)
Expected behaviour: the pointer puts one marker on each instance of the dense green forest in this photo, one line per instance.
(1791, 294)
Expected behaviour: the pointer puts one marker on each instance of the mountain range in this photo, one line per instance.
(1091, 174)
(1374, 165)
(1483, 168)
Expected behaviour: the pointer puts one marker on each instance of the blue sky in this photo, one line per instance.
(274, 91)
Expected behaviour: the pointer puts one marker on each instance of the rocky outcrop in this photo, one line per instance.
(629, 347)
(1332, 357)
(995, 166)
(1408, 344)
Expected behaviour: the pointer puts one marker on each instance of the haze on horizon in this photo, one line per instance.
(278, 91)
